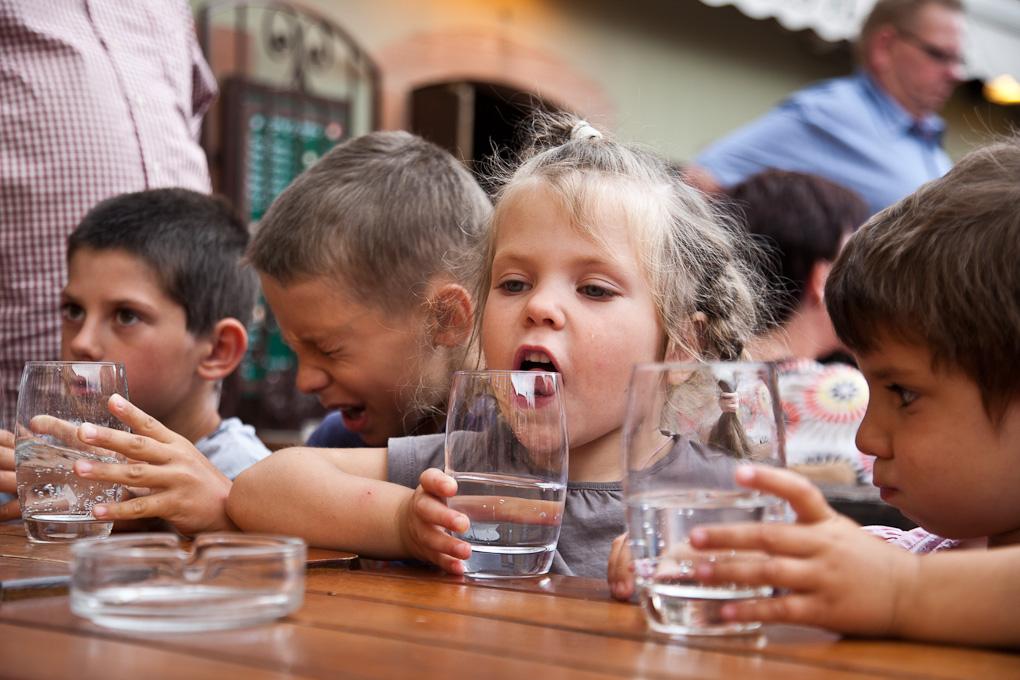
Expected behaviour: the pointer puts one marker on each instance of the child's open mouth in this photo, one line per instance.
(353, 418)
(543, 386)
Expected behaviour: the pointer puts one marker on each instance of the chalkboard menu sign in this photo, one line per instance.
(273, 135)
(270, 137)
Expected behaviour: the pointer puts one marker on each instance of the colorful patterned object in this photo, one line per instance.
(823, 406)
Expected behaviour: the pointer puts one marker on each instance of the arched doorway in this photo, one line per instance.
(462, 87)
(472, 120)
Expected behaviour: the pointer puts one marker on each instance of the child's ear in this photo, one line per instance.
(450, 315)
(676, 351)
(815, 286)
(695, 339)
(228, 341)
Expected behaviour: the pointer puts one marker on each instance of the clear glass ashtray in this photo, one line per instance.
(156, 582)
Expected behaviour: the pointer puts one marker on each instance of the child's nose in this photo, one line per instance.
(310, 379)
(871, 435)
(85, 345)
(544, 308)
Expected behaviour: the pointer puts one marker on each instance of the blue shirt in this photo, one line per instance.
(845, 129)
(332, 434)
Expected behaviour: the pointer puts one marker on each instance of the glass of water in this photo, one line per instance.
(506, 445)
(688, 426)
(54, 398)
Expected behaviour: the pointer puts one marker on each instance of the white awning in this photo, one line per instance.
(992, 45)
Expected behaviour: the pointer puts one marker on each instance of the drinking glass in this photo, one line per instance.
(54, 398)
(506, 445)
(687, 427)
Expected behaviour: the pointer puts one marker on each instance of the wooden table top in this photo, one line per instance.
(416, 622)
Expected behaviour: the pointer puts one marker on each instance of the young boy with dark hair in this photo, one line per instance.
(155, 281)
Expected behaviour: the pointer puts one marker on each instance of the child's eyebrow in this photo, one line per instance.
(609, 261)
(893, 373)
(118, 302)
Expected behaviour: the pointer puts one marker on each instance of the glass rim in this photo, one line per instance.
(73, 363)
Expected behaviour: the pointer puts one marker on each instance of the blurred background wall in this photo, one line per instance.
(674, 74)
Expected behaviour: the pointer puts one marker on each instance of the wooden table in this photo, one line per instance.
(420, 623)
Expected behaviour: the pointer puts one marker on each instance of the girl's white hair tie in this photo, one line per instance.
(583, 130)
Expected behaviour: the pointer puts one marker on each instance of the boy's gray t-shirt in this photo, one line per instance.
(592, 518)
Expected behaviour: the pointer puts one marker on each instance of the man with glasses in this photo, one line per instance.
(876, 131)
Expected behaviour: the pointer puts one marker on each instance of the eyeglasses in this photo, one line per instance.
(937, 54)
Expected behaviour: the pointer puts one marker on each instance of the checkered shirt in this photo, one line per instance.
(97, 97)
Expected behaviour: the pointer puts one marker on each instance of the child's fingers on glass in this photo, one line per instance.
(757, 569)
(438, 483)
(122, 511)
(51, 426)
(431, 510)
(772, 538)
(139, 421)
(450, 565)
(441, 542)
(131, 474)
(805, 498)
(134, 445)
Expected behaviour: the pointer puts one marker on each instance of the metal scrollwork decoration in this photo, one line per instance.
(307, 45)
(284, 46)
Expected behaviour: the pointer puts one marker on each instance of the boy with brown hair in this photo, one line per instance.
(927, 297)
(360, 263)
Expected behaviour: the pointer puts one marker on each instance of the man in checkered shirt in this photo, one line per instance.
(97, 97)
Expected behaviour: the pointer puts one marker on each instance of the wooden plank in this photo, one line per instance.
(553, 584)
(21, 578)
(13, 545)
(331, 636)
(33, 653)
(306, 651)
(625, 620)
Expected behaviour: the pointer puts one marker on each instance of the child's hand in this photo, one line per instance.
(838, 576)
(621, 569)
(425, 518)
(178, 483)
(8, 482)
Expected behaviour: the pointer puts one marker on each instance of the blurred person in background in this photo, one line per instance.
(876, 131)
(802, 222)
